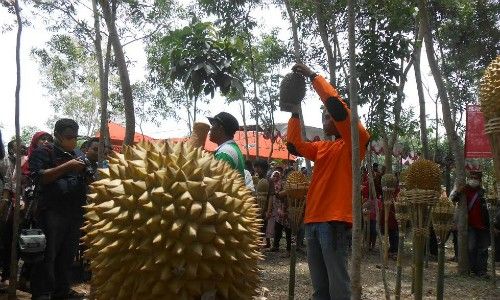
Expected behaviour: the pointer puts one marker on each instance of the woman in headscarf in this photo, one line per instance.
(39, 139)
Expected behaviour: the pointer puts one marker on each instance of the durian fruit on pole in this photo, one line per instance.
(423, 184)
(199, 134)
(292, 91)
(171, 222)
(442, 217)
(489, 97)
(262, 189)
(296, 188)
(489, 90)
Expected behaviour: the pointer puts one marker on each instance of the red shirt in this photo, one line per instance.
(475, 218)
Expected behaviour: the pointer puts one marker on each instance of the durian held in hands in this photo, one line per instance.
(489, 90)
(171, 222)
(292, 91)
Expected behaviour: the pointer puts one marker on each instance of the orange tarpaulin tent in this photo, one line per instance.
(279, 146)
(117, 135)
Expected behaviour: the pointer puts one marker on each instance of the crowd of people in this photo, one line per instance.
(58, 173)
(54, 177)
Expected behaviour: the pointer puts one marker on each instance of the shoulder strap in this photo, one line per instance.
(471, 204)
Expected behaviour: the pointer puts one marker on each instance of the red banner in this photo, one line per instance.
(477, 144)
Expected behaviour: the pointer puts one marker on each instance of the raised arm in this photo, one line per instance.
(294, 136)
(335, 106)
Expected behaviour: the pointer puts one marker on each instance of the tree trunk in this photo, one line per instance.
(245, 130)
(128, 100)
(15, 226)
(453, 139)
(323, 32)
(298, 59)
(103, 84)
(357, 233)
(421, 98)
(390, 141)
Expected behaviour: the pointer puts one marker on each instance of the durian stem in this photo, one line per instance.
(440, 278)
(402, 228)
(293, 262)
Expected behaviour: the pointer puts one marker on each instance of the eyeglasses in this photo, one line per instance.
(46, 139)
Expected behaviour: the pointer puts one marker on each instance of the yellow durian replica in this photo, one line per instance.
(423, 174)
(489, 90)
(171, 222)
(296, 184)
(262, 191)
(442, 217)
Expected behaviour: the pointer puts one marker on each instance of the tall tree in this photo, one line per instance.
(420, 91)
(384, 62)
(128, 100)
(103, 65)
(453, 139)
(357, 232)
(69, 76)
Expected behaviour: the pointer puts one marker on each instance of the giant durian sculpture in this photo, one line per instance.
(171, 222)
(489, 90)
(292, 90)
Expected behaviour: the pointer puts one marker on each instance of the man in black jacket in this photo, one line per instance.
(60, 214)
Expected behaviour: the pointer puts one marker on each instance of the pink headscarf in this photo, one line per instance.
(33, 145)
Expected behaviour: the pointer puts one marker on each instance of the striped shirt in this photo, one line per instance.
(231, 153)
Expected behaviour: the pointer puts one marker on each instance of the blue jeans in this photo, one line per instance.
(327, 252)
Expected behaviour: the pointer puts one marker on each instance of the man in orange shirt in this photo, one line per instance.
(328, 213)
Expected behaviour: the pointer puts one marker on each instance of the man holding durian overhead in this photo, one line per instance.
(328, 212)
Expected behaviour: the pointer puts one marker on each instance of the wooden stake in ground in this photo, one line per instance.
(493, 208)
(442, 218)
(296, 190)
(15, 226)
(402, 216)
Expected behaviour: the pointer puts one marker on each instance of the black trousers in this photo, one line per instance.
(479, 241)
(6, 238)
(278, 232)
(52, 275)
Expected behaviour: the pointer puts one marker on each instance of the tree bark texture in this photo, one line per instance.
(15, 226)
(357, 231)
(453, 139)
(323, 32)
(421, 98)
(245, 130)
(103, 84)
(128, 100)
(298, 59)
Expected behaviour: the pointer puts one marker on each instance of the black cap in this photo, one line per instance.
(228, 122)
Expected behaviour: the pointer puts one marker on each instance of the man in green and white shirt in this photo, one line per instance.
(224, 126)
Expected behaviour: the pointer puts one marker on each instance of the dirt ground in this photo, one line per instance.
(275, 270)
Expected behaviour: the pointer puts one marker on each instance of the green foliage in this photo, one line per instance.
(198, 57)
(385, 46)
(468, 37)
(70, 76)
